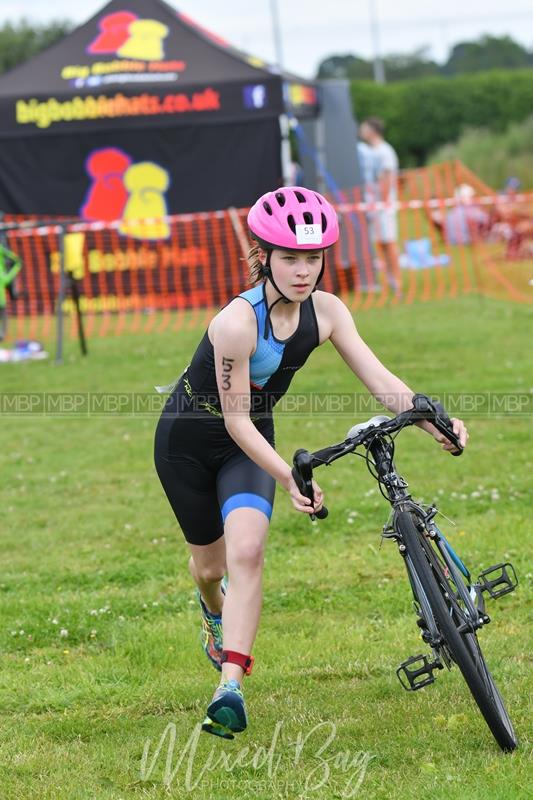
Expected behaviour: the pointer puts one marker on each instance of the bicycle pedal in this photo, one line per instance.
(502, 581)
(420, 676)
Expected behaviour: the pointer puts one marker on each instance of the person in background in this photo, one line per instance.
(466, 222)
(384, 188)
(296, 173)
(10, 265)
(366, 169)
(511, 221)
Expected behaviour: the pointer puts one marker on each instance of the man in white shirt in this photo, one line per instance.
(383, 222)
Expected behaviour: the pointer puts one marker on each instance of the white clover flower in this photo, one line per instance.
(63, 633)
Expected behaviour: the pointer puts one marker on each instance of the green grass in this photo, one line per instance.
(91, 548)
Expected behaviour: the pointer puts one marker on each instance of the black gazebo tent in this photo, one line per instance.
(140, 99)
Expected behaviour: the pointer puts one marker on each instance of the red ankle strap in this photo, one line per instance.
(230, 656)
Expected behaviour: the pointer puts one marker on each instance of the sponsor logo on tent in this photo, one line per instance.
(137, 47)
(255, 96)
(126, 35)
(299, 95)
(132, 192)
(44, 113)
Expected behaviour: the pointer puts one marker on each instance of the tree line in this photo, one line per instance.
(21, 40)
(422, 115)
(487, 52)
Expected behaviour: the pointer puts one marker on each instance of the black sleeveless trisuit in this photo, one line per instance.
(203, 471)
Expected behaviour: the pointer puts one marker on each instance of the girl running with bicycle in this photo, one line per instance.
(214, 444)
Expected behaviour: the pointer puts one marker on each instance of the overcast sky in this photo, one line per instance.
(314, 29)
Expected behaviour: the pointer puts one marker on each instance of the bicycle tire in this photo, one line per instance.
(463, 647)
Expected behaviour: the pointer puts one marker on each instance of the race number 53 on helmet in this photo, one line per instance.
(293, 218)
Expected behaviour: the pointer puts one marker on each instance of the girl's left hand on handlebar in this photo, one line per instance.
(300, 502)
(460, 430)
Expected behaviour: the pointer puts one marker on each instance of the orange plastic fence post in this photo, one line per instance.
(234, 255)
(163, 296)
(441, 194)
(410, 183)
(196, 293)
(353, 268)
(450, 169)
(437, 269)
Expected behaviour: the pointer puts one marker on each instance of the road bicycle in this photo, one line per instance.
(449, 606)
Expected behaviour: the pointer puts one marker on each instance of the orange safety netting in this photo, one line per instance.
(455, 235)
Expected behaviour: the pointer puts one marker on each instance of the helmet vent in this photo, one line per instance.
(268, 208)
(324, 223)
(291, 223)
(308, 218)
(280, 197)
(300, 197)
(318, 198)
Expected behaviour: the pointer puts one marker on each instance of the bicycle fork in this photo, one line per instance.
(498, 580)
(417, 671)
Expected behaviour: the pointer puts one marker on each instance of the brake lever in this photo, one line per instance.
(302, 472)
(445, 427)
(443, 424)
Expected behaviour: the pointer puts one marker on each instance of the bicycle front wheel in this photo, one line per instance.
(462, 645)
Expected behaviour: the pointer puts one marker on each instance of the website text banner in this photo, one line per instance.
(153, 106)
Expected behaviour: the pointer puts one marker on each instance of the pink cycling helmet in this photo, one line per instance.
(293, 218)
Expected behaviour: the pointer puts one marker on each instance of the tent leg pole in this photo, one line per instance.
(60, 298)
(286, 160)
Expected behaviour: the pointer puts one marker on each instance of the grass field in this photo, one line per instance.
(99, 633)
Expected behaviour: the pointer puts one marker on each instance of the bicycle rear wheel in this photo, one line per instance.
(462, 646)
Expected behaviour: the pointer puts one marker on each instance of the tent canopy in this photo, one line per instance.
(142, 61)
(141, 86)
